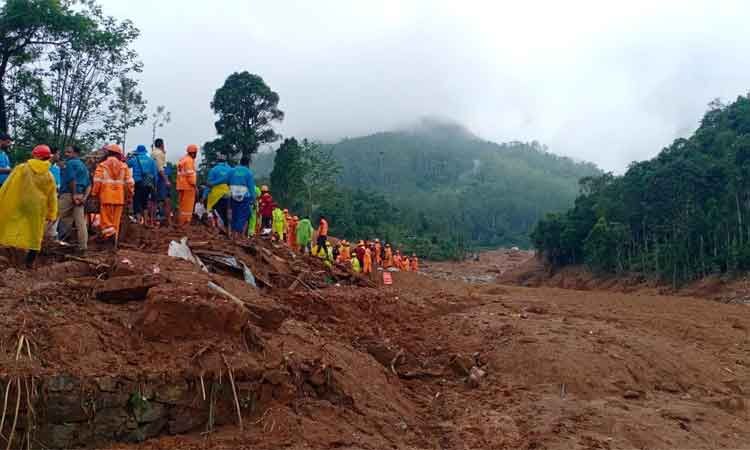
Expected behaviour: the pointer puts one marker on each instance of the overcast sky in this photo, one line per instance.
(604, 81)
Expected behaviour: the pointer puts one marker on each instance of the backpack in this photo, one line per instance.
(149, 182)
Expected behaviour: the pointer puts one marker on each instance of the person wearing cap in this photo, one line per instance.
(145, 175)
(75, 187)
(114, 186)
(242, 190)
(359, 252)
(5, 142)
(218, 197)
(187, 180)
(29, 200)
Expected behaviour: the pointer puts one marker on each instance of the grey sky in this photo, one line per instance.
(609, 82)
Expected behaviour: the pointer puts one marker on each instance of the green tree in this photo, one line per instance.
(318, 171)
(286, 178)
(27, 29)
(128, 110)
(247, 109)
(159, 118)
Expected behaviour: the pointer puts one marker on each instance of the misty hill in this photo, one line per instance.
(448, 183)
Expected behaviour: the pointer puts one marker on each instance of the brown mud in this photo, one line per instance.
(314, 359)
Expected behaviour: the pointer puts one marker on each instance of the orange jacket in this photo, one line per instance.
(388, 257)
(414, 264)
(113, 182)
(186, 175)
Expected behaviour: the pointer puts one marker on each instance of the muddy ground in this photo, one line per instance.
(432, 362)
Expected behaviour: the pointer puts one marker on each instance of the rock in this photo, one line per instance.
(59, 436)
(145, 411)
(462, 364)
(475, 376)
(125, 289)
(184, 419)
(537, 310)
(62, 383)
(174, 394)
(632, 395)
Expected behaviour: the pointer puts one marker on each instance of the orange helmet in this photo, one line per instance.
(114, 148)
(192, 148)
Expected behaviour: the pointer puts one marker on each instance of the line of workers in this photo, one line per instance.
(57, 199)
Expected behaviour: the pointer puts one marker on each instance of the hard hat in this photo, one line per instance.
(264, 188)
(192, 148)
(41, 152)
(114, 148)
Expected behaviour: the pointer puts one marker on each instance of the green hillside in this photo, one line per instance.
(447, 184)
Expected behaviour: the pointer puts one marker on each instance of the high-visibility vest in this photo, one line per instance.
(186, 175)
(112, 180)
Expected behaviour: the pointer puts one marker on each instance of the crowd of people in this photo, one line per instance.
(49, 198)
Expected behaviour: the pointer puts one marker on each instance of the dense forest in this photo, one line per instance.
(679, 216)
(437, 189)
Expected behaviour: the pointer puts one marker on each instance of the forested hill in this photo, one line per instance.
(447, 185)
(682, 215)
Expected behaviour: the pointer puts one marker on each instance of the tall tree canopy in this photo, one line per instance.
(679, 216)
(247, 109)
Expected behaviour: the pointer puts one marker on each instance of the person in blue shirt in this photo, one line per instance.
(145, 176)
(242, 191)
(51, 231)
(218, 197)
(5, 142)
(75, 187)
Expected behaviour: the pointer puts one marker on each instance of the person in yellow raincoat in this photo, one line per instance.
(29, 200)
(279, 224)
(356, 268)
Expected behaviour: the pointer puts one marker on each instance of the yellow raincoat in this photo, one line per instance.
(28, 199)
(215, 194)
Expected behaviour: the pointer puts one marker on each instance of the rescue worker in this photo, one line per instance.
(75, 187)
(304, 235)
(397, 259)
(5, 142)
(378, 253)
(218, 197)
(51, 232)
(367, 269)
(388, 260)
(29, 200)
(145, 176)
(187, 180)
(265, 208)
(242, 191)
(279, 223)
(360, 253)
(322, 231)
(114, 185)
(292, 235)
(356, 268)
(414, 263)
(405, 264)
(253, 223)
(163, 185)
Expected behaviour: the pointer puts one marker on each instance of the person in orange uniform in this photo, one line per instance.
(414, 263)
(378, 256)
(405, 264)
(187, 179)
(345, 253)
(397, 259)
(114, 185)
(367, 269)
(292, 231)
(388, 256)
